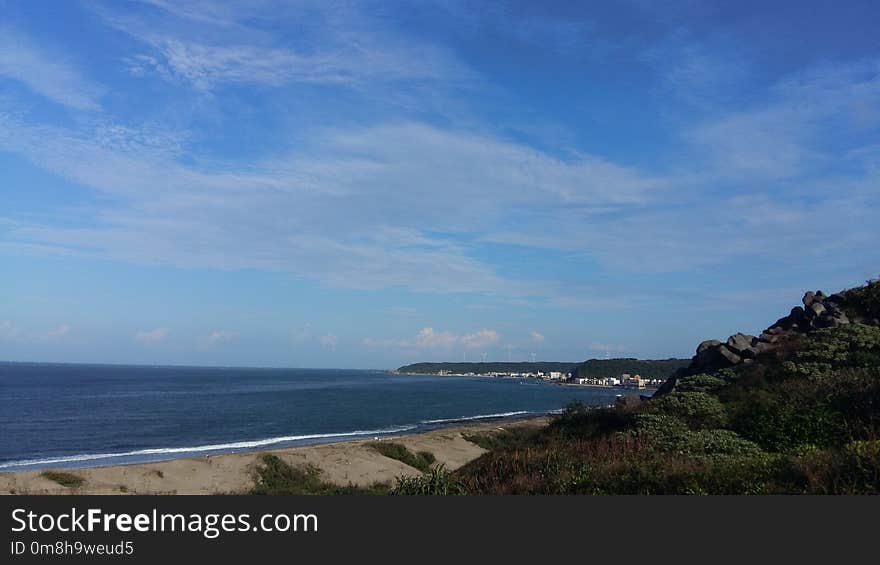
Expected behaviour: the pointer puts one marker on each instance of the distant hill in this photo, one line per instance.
(647, 368)
(593, 368)
(485, 368)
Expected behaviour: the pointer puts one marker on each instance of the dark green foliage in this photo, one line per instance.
(699, 410)
(864, 301)
(851, 346)
(421, 460)
(276, 477)
(502, 438)
(438, 481)
(803, 418)
(64, 479)
(647, 368)
(579, 421)
(700, 383)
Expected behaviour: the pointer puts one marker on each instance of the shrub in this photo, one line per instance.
(438, 481)
(712, 443)
(700, 383)
(850, 346)
(64, 479)
(788, 417)
(864, 300)
(276, 477)
(421, 460)
(580, 422)
(699, 410)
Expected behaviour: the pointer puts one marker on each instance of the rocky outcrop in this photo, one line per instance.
(818, 311)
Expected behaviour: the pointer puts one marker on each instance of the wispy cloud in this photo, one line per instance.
(45, 72)
(9, 331)
(536, 337)
(60, 332)
(342, 45)
(328, 340)
(218, 337)
(480, 339)
(607, 347)
(153, 336)
(428, 338)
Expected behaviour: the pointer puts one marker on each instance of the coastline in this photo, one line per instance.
(341, 462)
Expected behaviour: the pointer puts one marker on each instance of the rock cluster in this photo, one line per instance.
(819, 311)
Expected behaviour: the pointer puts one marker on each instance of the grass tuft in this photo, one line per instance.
(64, 479)
(276, 477)
(421, 460)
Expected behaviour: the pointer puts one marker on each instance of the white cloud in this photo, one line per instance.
(218, 337)
(481, 339)
(429, 338)
(782, 136)
(45, 73)
(9, 331)
(61, 331)
(607, 347)
(336, 44)
(328, 341)
(156, 335)
(277, 217)
(536, 337)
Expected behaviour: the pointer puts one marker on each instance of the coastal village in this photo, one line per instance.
(625, 380)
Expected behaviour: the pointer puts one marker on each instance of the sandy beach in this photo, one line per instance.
(342, 463)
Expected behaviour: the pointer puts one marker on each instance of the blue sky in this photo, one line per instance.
(336, 184)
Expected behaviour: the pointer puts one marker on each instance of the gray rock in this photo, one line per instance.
(729, 355)
(708, 344)
(815, 310)
(808, 298)
(739, 342)
(749, 353)
(768, 337)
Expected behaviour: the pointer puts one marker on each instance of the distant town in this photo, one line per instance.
(625, 380)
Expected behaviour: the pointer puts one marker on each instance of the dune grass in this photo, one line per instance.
(276, 477)
(64, 479)
(421, 460)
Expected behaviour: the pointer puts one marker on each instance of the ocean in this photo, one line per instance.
(54, 415)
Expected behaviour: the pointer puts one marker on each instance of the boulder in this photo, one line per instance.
(729, 355)
(808, 298)
(750, 353)
(740, 342)
(815, 309)
(708, 344)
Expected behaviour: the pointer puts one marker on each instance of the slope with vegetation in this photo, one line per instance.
(795, 410)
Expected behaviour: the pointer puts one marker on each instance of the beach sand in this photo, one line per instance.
(342, 463)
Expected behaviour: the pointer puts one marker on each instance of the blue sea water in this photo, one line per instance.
(86, 415)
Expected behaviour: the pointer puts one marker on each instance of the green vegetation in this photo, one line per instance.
(500, 439)
(647, 368)
(864, 301)
(804, 417)
(438, 481)
(421, 460)
(274, 476)
(64, 479)
(485, 368)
